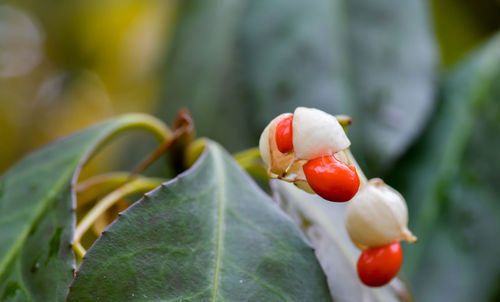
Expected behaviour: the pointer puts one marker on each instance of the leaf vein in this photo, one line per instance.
(218, 163)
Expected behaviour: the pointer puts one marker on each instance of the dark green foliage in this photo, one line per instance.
(208, 235)
(36, 216)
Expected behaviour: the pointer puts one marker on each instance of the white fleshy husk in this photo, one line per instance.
(265, 153)
(317, 133)
(276, 161)
(377, 216)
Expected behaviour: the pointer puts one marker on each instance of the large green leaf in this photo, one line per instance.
(248, 61)
(208, 235)
(451, 182)
(36, 214)
(323, 224)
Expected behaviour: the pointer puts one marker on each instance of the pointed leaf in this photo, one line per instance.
(36, 214)
(210, 234)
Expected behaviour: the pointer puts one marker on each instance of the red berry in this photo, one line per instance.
(378, 265)
(332, 179)
(284, 134)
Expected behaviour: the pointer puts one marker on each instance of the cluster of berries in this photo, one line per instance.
(310, 149)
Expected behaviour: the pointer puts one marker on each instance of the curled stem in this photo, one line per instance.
(139, 184)
(101, 179)
(150, 123)
(95, 186)
(79, 250)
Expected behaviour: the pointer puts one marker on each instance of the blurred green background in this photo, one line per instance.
(421, 79)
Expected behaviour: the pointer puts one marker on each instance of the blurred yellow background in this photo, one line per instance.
(67, 66)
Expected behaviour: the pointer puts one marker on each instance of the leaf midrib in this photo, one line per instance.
(220, 176)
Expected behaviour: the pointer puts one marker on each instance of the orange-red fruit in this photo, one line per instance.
(284, 134)
(378, 265)
(332, 179)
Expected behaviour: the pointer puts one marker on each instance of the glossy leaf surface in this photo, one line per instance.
(210, 234)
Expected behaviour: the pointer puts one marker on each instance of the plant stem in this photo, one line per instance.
(183, 126)
(344, 121)
(95, 186)
(79, 250)
(139, 184)
(152, 124)
(105, 178)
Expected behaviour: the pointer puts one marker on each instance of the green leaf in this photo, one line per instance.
(393, 60)
(450, 180)
(36, 214)
(208, 235)
(248, 61)
(323, 224)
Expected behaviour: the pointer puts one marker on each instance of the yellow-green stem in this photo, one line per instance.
(79, 250)
(152, 124)
(95, 186)
(105, 178)
(140, 184)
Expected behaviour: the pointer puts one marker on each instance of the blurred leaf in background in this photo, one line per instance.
(461, 25)
(374, 60)
(450, 180)
(68, 65)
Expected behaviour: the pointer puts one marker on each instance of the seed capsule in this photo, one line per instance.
(377, 216)
(317, 133)
(276, 161)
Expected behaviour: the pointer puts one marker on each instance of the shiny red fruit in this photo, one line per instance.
(378, 265)
(332, 179)
(284, 134)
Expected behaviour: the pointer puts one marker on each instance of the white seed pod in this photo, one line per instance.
(276, 161)
(377, 216)
(317, 133)
(265, 153)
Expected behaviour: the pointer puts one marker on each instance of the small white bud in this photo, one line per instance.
(377, 216)
(317, 133)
